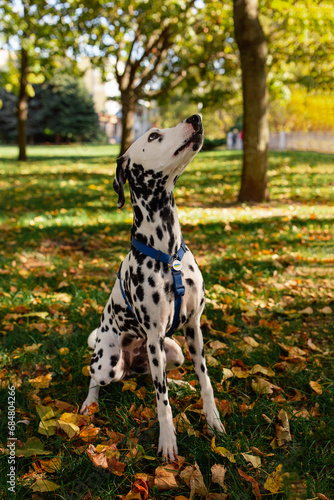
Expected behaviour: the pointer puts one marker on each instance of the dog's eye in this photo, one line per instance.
(153, 136)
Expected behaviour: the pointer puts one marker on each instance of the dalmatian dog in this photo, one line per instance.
(132, 336)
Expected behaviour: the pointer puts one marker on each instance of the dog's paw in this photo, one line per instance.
(85, 406)
(215, 426)
(167, 443)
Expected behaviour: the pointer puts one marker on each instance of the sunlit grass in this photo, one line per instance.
(268, 270)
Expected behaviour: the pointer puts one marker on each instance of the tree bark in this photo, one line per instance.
(128, 113)
(22, 107)
(253, 53)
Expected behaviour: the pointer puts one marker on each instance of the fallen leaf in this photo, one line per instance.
(255, 485)
(326, 310)
(218, 475)
(50, 465)
(165, 479)
(261, 369)
(307, 310)
(283, 431)
(194, 479)
(89, 433)
(227, 373)
(63, 351)
(262, 386)
(322, 497)
(42, 382)
(316, 387)
(70, 429)
(32, 447)
(274, 480)
(222, 451)
(254, 460)
(251, 341)
(42, 485)
(240, 372)
(129, 385)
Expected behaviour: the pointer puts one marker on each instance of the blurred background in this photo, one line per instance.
(89, 70)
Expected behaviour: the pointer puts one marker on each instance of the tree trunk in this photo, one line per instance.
(128, 114)
(253, 53)
(22, 107)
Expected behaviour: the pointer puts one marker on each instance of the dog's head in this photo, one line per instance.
(160, 153)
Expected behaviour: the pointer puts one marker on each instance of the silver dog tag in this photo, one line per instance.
(177, 265)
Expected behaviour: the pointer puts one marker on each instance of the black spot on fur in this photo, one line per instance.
(156, 297)
(190, 332)
(190, 282)
(155, 362)
(113, 360)
(203, 368)
(152, 348)
(192, 349)
(159, 232)
(151, 282)
(140, 293)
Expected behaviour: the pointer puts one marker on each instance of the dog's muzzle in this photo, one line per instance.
(196, 138)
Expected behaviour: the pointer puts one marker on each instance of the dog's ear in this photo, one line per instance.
(120, 180)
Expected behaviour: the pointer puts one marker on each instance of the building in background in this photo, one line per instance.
(105, 96)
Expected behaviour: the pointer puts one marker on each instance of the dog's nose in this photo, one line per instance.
(194, 119)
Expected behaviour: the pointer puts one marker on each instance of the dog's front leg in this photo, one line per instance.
(92, 396)
(194, 339)
(157, 358)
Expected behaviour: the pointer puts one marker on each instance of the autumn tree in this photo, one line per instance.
(38, 35)
(253, 53)
(153, 47)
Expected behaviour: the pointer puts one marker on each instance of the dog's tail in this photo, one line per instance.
(92, 338)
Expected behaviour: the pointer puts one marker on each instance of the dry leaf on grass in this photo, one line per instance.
(42, 382)
(42, 485)
(283, 431)
(316, 387)
(255, 485)
(254, 460)
(222, 451)
(274, 480)
(192, 476)
(165, 478)
(218, 475)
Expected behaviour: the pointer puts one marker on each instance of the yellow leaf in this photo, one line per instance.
(240, 372)
(47, 427)
(63, 351)
(70, 429)
(42, 485)
(86, 370)
(227, 373)
(274, 480)
(42, 382)
(316, 387)
(222, 451)
(283, 431)
(263, 370)
(255, 461)
(251, 341)
(32, 347)
(51, 465)
(129, 385)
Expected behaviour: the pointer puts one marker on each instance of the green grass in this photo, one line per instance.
(268, 270)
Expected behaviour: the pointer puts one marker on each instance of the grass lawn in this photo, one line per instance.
(268, 329)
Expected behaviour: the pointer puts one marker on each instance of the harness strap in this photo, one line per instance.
(174, 262)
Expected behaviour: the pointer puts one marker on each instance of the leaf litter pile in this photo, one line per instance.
(267, 325)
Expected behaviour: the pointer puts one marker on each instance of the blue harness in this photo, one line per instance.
(174, 262)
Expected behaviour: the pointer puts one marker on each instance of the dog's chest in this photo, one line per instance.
(149, 289)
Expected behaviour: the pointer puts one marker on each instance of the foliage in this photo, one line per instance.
(61, 107)
(46, 37)
(8, 121)
(303, 111)
(268, 331)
